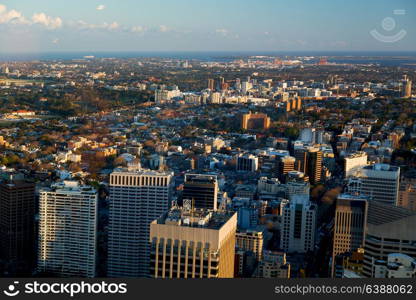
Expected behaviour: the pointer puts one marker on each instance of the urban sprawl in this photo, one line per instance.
(240, 167)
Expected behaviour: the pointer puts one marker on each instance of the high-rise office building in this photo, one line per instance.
(349, 226)
(309, 160)
(67, 230)
(301, 156)
(17, 226)
(136, 199)
(189, 243)
(285, 165)
(379, 182)
(211, 84)
(201, 190)
(406, 90)
(247, 163)
(298, 224)
(390, 230)
(315, 161)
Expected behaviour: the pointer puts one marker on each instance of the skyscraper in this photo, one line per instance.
(390, 230)
(298, 224)
(406, 87)
(247, 163)
(349, 226)
(354, 162)
(285, 165)
(379, 182)
(315, 160)
(67, 230)
(201, 190)
(136, 199)
(189, 243)
(309, 160)
(211, 84)
(17, 226)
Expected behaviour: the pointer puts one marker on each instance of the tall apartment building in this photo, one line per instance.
(390, 230)
(67, 230)
(353, 162)
(379, 182)
(349, 226)
(17, 226)
(255, 121)
(189, 243)
(201, 190)
(298, 225)
(250, 241)
(136, 199)
(247, 163)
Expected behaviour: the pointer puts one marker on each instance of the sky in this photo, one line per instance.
(36, 26)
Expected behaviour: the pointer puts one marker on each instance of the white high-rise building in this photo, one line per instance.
(67, 230)
(379, 182)
(353, 162)
(136, 199)
(298, 225)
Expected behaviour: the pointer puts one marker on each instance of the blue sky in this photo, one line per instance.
(204, 25)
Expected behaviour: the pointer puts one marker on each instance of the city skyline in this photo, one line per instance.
(104, 25)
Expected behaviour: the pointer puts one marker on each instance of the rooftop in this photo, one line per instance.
(198, 218)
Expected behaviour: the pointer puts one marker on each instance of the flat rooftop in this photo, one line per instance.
(198, 218)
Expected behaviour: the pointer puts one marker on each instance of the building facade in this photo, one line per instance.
(349, 226)
(136, 199)
(298, 225)
(67, 230)
(201, 190)
(189, 243)
(17, 226)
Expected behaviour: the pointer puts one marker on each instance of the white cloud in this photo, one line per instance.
(11, 16)
(101, 7)
(104, 26)
(47, 21)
